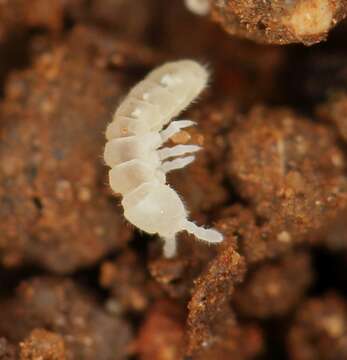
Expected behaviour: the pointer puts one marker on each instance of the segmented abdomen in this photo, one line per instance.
(162, 95)
(139, 164)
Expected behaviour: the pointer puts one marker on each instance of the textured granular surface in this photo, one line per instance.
(162, 334)
(77, 281)
(55, 209)
(42, 344)
(274, 289)
(82, 329)
(131, 287)
(279, 22)
(319, 329)
(292, 172)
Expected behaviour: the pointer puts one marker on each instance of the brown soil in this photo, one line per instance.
(80, 283)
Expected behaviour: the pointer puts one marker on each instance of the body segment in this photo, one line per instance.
(139, 162)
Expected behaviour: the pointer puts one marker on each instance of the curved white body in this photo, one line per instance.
(139, 162)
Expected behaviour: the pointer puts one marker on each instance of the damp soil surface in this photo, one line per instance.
(77, 282)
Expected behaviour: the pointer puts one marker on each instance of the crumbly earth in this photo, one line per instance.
(79, 328)
(334, 111)
(319, 329)
(42, 344)
(279, 22)
(274, 289)
(16, 15)
(56, 211)
(161, 335)
(271, 177)
(7, 350)
(292, 173)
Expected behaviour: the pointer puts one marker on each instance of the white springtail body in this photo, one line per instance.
(137, 159)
